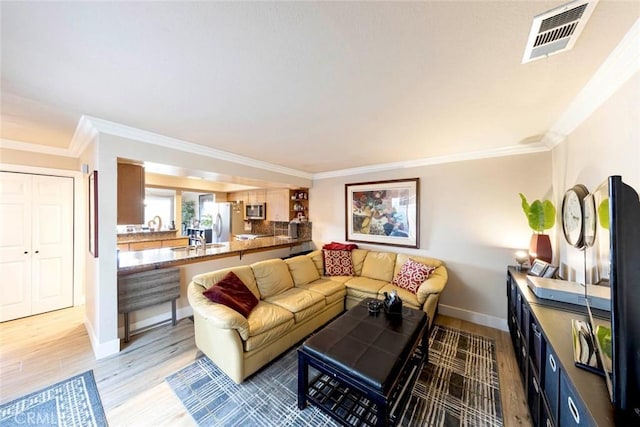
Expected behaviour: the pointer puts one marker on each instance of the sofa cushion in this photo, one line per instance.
(302, 270)
(358, 256)
(364, 287)
(272, 277)
(330, 289)
(230, 291)
(318, 260)
(337, 263)
(266, 316)
(244, 273)
(259, 340)
(301, 302)
(411, 275)
(379, 265)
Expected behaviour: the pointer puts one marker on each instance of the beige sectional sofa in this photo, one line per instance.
(295, 299)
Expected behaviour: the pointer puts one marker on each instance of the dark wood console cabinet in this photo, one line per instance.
(558, 393)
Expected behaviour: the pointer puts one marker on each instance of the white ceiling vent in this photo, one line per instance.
(557, 29)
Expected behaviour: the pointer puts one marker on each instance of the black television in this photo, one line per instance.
(612, 259)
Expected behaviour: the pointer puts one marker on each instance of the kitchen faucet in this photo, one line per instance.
(202, 240)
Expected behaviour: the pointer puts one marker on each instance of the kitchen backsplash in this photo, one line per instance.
(280, 228)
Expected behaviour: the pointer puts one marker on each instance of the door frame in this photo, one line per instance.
(79, 229)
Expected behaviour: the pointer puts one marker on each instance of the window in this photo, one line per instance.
(159, 202)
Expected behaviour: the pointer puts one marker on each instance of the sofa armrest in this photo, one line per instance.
(433, 285)
(218, 315)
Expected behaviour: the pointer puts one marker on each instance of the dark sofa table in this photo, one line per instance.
(364, 365)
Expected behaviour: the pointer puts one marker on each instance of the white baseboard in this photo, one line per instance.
(181, 313)
(474, 317)
(101, 350)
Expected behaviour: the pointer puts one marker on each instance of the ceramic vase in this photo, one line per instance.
(540, 248)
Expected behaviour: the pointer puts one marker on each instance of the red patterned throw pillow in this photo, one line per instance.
(232, 292)
(412, 274)
(337, 263)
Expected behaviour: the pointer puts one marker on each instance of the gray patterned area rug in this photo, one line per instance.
(72, 402)
(457, 387)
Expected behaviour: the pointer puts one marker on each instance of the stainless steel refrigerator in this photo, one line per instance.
(228, 220)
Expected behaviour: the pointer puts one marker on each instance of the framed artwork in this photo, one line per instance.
(93, 213)
(383, 212)
(550, 271)
(538, 268)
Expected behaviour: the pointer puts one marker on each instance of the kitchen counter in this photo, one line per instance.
(150, 259)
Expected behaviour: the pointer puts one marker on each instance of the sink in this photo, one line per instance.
(251, 236)
(184, 248)
(214, 245)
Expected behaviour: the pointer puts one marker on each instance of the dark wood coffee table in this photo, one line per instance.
(363, 366)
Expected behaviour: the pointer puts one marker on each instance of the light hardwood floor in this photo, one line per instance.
(41, 350)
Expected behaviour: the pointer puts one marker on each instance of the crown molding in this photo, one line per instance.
(107, 127)
(84, 134)
(622, 63)
(513, 150)
(11, 144)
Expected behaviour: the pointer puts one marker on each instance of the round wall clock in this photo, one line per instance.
(589, 221)
(573, 215)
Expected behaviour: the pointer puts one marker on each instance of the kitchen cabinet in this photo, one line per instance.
(277, 204)
(140, 246)
(36, 244)
(255, 197)
(154, 244)
(130, 194)
(299, 204)
(178, 241)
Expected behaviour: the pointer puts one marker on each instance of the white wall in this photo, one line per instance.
(607, 143)
(102, 154)
(470, 217)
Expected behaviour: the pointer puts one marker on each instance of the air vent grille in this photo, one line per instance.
(563, 18)
(558, 29)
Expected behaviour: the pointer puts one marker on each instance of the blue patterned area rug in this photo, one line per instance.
(72, 402)
(457, 387)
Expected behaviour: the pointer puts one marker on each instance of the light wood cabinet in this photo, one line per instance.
(278, 204)
(130, 194)
(172, 243)
(154, 244)
(149, 244)
(256, 197)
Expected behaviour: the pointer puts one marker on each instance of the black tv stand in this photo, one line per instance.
(558, 393)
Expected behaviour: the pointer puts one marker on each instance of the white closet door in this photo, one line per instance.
(36, 244)
(15, 245)
(52, 243)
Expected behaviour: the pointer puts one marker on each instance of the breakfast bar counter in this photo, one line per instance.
(151, 259)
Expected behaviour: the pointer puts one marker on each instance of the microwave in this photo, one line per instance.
(256, 211)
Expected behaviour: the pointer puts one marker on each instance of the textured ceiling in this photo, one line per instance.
(313, 86)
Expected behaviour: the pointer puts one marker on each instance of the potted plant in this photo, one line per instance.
(188, 213)
(541, 216)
